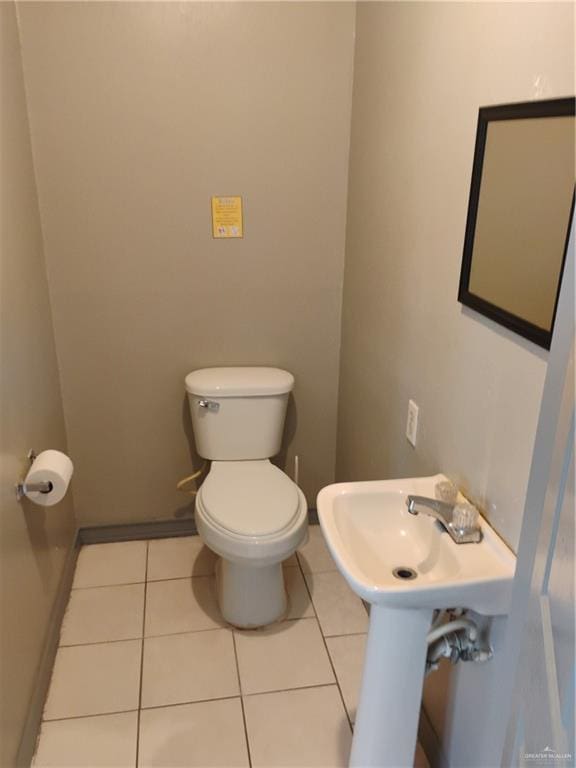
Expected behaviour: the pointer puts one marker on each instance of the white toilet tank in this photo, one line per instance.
(238, 413)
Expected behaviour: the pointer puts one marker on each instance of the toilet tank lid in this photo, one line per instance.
(239, 382)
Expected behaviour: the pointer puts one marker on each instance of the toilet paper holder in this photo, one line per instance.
(22, 488)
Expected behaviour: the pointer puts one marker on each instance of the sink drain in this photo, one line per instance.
(404, 573)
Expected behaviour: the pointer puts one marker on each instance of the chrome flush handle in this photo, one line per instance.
(210, 405)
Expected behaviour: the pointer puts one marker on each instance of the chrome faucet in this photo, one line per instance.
(460, 520)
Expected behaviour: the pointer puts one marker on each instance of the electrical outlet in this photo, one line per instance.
(412, 422)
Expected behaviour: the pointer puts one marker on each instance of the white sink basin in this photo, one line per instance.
(370, 533)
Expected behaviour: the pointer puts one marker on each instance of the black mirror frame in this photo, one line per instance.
(550, 108)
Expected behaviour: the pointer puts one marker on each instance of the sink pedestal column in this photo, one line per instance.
(389, 708)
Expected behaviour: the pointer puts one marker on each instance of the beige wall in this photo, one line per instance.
(139, 113)
(34, 540)
(421, 71)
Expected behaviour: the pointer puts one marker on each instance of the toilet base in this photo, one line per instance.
(250, 597)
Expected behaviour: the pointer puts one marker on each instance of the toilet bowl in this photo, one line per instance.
(248, 511)
(253, 516)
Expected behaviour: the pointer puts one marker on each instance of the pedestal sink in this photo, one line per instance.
(405, 566)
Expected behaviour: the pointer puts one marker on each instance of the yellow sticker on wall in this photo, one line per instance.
(227, 217)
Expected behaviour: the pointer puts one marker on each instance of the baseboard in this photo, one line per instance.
(36, 707)
(161, 529)
(430, 742)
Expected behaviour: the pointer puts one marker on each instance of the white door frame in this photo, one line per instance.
(551, 453)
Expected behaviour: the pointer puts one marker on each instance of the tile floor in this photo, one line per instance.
(148, 673)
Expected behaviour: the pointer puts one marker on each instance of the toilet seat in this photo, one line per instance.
(249, 498)
(267, 532)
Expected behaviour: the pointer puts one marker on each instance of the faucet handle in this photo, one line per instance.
(446, 491)
(465, 517)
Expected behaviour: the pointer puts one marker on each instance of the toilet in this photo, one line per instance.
(248, 511)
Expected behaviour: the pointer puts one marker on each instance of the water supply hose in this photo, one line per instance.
(436, 651)
(457, 640)
(453, 626)
(180, 485)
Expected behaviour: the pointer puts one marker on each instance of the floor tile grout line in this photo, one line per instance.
(228, 628)
(308, 592)
(92, 714)
(107, 586)
(143, 581)
(142, 659)
(189, 577)
(346, 634)
(241, 700)
(333, 684)
(328, 653)
(183, 578)
(191, 702)
(351, 634)
(101, 642)
(312, 571)
(219, 628)
(238, 678)
(237, 696)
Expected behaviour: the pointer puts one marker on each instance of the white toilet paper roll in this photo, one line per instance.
(50, 467)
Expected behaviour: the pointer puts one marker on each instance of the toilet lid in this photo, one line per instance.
(250, 498)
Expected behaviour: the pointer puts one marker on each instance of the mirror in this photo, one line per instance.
(519, 214)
